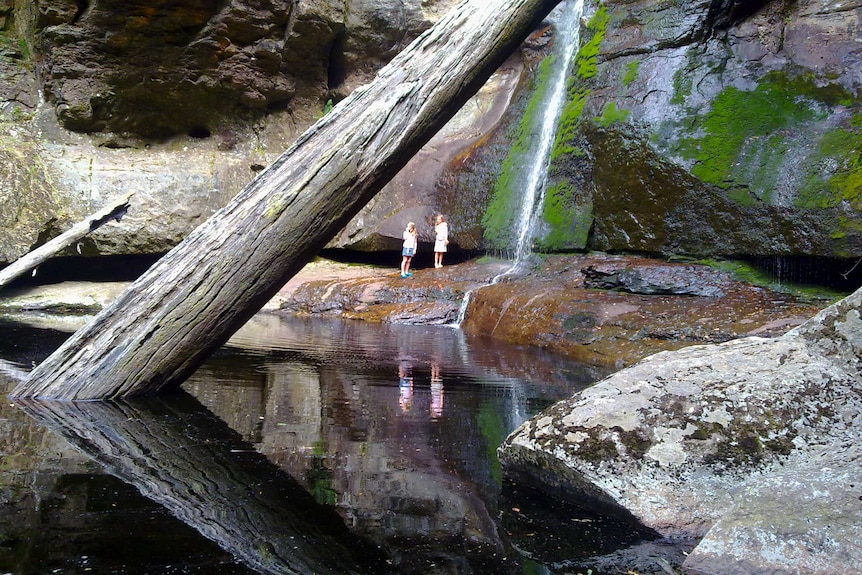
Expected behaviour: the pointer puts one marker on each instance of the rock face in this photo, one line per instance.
(704, 128)
(752, 444)
(713, 128)
(158, 70)
(183, 104)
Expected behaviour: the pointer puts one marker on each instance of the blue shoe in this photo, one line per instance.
(404, 275)
(409, 274)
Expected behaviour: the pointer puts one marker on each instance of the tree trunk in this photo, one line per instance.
(114, 211)
(191, 301)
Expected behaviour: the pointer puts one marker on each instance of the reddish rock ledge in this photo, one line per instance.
(560, 303)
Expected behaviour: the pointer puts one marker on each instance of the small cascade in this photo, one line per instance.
(566, 19)
(462, 311)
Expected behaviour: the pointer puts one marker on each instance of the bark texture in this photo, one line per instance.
(161, 328)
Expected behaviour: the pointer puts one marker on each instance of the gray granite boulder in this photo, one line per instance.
(752, 444)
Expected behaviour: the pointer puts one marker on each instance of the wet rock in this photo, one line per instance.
(714, 128)
(551, 305)
(658, 280)
(421, 189)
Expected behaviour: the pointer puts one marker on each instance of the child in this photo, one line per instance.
(441, 229)
(411, 237)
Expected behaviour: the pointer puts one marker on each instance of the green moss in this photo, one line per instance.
(587, 59)
(611, 115)
(739, 270)
(842, 149)
(682, 86)
(567, 126)
(632, 71)
(739, 118)
(808, 86)
(569, 220)
(747, 273)
(500, 216)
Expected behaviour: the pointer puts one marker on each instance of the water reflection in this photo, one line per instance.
(436, 391)
(361, 415)
(175, 452)
(391, 431)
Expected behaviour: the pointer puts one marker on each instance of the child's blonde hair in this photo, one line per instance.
(411, 226)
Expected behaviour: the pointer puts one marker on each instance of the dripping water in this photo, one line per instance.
(566, 19)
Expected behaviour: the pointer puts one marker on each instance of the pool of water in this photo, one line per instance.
(302, 446)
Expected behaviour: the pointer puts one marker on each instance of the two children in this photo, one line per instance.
(411, 242)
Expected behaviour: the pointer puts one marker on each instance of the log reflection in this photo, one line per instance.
(177, 453)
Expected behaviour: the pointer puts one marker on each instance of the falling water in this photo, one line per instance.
(566, 19)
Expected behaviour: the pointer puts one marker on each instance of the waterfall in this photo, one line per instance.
(566, 19)
(567, 24)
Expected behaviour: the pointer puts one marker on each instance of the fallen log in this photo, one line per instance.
(189, 303)
(113, 211)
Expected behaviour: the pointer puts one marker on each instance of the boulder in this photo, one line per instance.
(708, 441)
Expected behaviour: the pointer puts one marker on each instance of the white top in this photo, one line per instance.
(409, 240)
(442, 231)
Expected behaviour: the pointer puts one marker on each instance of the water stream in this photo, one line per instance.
(566, 19)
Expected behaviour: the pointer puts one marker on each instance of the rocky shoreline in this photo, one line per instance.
(601, 309)
(598, 308)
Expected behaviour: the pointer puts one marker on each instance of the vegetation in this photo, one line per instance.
(567, 126)
(632, 70)
(587, 59)
(570, 221)
(611, 114)
(737, 118)
(748, 273)
(743, 140)
(841, 148)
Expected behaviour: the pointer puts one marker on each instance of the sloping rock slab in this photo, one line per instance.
(763, 534)
(674, 442)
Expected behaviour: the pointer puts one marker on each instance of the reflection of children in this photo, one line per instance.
(405, 386)
(441, 240)
(436, 392)
(411, 237)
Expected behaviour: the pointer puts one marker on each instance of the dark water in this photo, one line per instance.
(303, 446)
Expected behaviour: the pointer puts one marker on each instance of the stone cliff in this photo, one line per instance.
(700, 128)
(711, 128)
